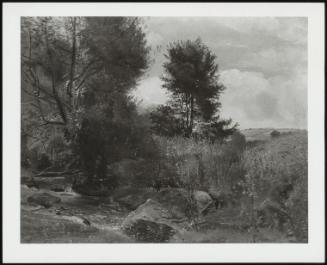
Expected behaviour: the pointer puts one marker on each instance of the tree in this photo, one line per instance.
(45, 62)
(164, 122)
(116, 48)
(49, 65)
(217, 129)
(76, 75)
(191, 75)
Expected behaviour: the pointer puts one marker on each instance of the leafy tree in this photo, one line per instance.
(164, 121)
(117, 52)
(218, 129)
(76, 75)
(49, 63)
(191, 75)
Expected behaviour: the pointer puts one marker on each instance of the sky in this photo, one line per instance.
(262, 62)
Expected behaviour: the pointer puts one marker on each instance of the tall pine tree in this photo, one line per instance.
(191, 75)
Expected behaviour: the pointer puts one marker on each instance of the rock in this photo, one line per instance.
(271, 213)
(175, 201)
(112, 206)
(93, 189)
(131, 198)
(150, 222)
(57, 184)
(178, 201)
(203, 200)
(131, 202)
(222, 199)
(25, 179)
(58, 188)
(85, 221)
(43, 199)
(31, 207)
(29, 182)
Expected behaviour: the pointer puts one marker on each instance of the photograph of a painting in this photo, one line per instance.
(164, 129)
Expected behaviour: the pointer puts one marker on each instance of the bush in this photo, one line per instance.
(164, 122)
(43, 162)
(200, 164)
(275, 134)
(216, 130)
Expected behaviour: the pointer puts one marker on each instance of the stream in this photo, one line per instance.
(75, 215)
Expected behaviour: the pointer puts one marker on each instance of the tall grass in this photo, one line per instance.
(272, 174)
(201, 164)
(277, 171)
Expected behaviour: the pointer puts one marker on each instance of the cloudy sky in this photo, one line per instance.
(262, 62)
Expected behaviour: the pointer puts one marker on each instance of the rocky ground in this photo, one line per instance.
(129, 215)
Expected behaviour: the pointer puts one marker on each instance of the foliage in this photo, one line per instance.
(216, 130)
(117, 48)
(275, 134)
(77, 73)
(200, 164)
(191, 77)
(164, 121)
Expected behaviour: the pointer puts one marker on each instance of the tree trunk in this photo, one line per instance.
(53, 81)
(73, 61)
(191, 115)
(187, 117)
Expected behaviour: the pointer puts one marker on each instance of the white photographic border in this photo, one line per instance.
(14, 251)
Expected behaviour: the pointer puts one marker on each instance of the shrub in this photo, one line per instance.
(201, 164)
(43, 162)
(275, 134)
(164, 122)
(217, 130)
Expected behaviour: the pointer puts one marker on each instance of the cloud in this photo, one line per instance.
(274, 61)
(150, 91)
(292, 29)
(251, 99)
(256, 101)
(250, 24)
(269, 45)
(262, 61)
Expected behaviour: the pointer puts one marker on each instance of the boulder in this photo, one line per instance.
(47, 183)
(58, 188)
(91, 189)
(272, 214)
(175, 201)
(222, 199)
(131, 197)
(180, 203)
(203, 200)
(150, 222)
(44, 199)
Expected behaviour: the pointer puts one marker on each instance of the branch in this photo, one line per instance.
(54, 91)
(84, 79)
(46, 122)
(56, 174)
(84, 70)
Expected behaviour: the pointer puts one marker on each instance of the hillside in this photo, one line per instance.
(263, 134)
